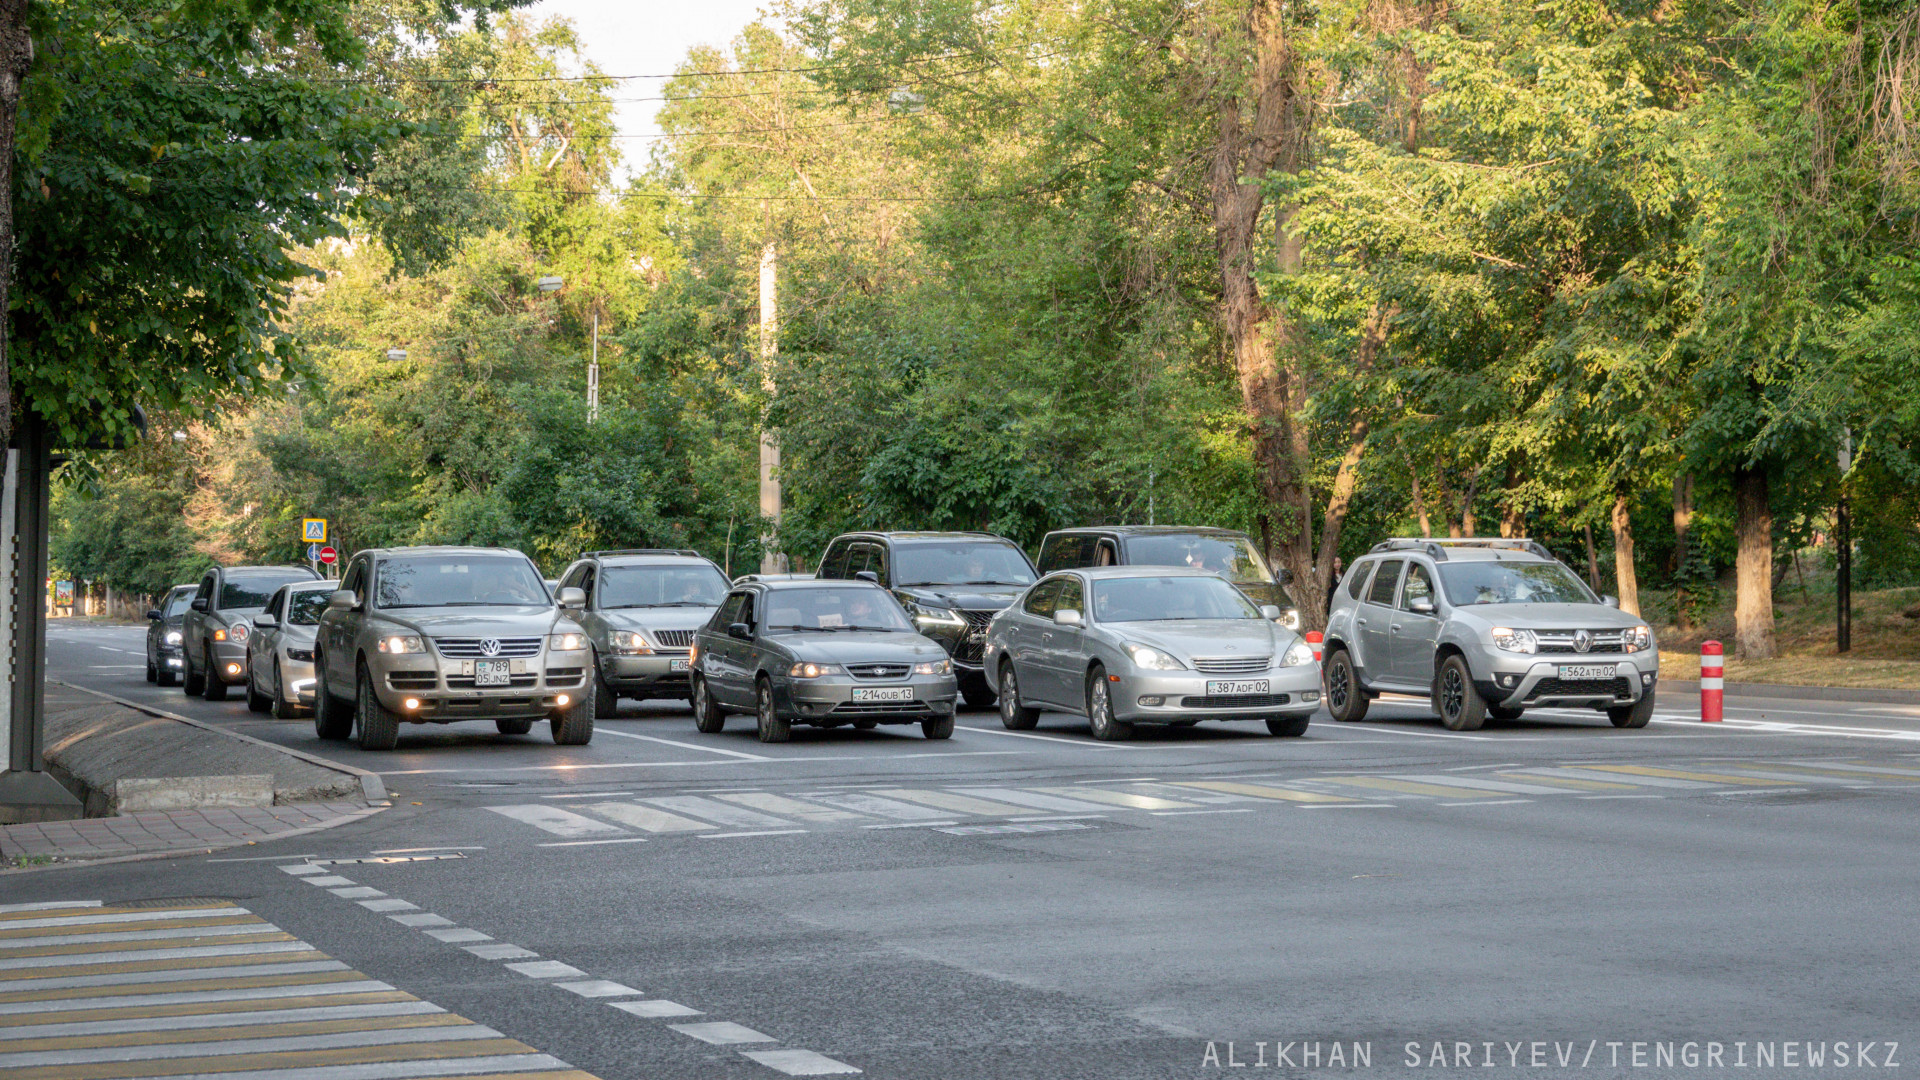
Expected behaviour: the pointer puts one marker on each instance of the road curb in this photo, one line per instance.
(201, 849)
(1786, 692)
(372, 788)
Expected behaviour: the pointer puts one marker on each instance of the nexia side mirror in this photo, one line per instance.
(1270, 612)
(154, 615)
(867, 575)
(1421, 605)
(571, 597)
(343, 601)
(199, 604)
(740, 630)
(1068, 617)
(1610, 600)
(265, 621)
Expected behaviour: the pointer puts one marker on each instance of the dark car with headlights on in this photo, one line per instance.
(280, 650)
(219, 619)
(1149, 645)
(165, 658)
(436, 635)
(825, 653)
(951, 583)
(1226, 552)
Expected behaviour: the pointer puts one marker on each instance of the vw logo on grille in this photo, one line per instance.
(491, 647)
(1582, 640)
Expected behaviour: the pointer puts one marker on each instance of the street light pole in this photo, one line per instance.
(1843, 542)
(593, 374)
(772, 560)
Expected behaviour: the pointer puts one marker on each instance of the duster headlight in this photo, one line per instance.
(1511, 640)
(1636, 639)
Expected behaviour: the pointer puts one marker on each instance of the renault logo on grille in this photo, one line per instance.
(1582, 640)
(491, 647)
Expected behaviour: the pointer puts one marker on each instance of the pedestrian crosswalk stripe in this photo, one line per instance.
(737, 817)
(555, 820)
(131, 932)
(176, 996)
(780, 804)
(1036, 800)
(196, 932)
(1406, 787)
(198, 1042)
(1121, 798)
(251, 982)
(1261, 791)
(1838, 779)
(1482, 783)
(62, 980)
(1877, 772)
(154, 959)
(648, 818)
(952, 803)
(200, 1022)
(268, 1066)
(878, 807)
(372, 993)
(1636, 780)
(1683, 774)
(8, 910)
(1542, 776)
(146, 915)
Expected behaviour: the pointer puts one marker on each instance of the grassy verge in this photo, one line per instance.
(1886, 638)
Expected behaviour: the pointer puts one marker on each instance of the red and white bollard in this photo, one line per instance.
(1314, 639)
(1713, 683)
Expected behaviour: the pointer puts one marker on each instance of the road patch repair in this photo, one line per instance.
(155, 783)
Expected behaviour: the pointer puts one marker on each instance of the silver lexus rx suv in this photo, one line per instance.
(1485, 628)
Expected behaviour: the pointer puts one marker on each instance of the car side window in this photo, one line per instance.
(1071, 598)
(878, 561)
(356, 580)
(746, 609)
(276, 603)
(1040, 599)
(1419, 584)
(206, 588)
(834, 563)
(1061, 553)
(587, 581)
(1104, 555)
(1357, 579)
(729, 612)
(1384, 582)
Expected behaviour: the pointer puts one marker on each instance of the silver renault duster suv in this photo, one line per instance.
(433, 635)
(1485, 628)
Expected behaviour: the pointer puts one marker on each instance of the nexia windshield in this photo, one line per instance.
(1470, 583)
(960, 562)
(841, 607)
(458, 581)
(1154, 599)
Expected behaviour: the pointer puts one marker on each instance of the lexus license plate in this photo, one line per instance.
(883, 693)
(1231, 687)
(1586, 672)
(676, 665)
(492, 673)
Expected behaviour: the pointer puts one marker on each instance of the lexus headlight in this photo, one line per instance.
(813, 671)
(929, 615)
(934, 667)
(401, 643)
(629, 643)
(1153, 659)
(1636, 639)
(566, 642)
(1520, 641)
(173, 637)
(1298, 653)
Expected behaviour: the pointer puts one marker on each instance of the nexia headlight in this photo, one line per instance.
(813, 671)
(1299, 653)
(630, 643)
(401, 643)
(566, 642)
(1520, 641)
(173, 637)
(936, 667)
(1153, 659)
(927, 615)
(1636, 639)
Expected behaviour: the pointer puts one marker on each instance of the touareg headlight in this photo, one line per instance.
(1511, 640)
(566, 642)
(1153, 659)
(401, 643)
(173, 637)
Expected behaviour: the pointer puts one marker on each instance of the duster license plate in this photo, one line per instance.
(1586, 672)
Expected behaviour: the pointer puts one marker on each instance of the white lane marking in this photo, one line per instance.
(722, 1033)
(301, 869)
(444, 847)
(557, 821)
(593, 843)
(1619, 796)
(21, 1008)
(260, 948)
(47, 905)
(328, 881)
(589, 795)
(648, 818)
(910, 825)
(657, 1007)
(1057, 817)
(455, 935)
(266, 858)
(388, 904)
(876, 806)
(1784, 727)
(1485, 802)
(1034, 799)
(421, 918)
(758, 832)
(547, 969)
(74, 982)
(1346, 806)
(800, 1062)
(140, 1024)
(598, 988)
(357, 892)
(500, 952)
(1189, 813)
(124, 917)
(1083, 743)
(285, 1043)
(724, 813)
(1438, 734)
(688, 745)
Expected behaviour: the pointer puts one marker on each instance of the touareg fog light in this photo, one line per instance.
(1153, 699)
(413, 703)
(562, 700)
(233, 669)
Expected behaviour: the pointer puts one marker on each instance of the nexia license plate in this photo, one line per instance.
(1231, 687)
(676, 665)
(492, 673)
(1586, 672)
(883, 693)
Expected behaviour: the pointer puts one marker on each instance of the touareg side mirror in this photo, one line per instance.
(199, 604)
(1270, 612)
(571, 597)
(343, 601)
(154, 614)
(1284, 577)
(740, 630)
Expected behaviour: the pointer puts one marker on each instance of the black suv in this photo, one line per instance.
(952, 583)
(1231, 554)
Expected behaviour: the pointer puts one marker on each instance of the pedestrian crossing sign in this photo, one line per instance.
(313, 530)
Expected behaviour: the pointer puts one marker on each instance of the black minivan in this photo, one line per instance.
(1232, 555)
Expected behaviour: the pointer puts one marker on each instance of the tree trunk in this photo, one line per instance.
(1626, 581)
(1467, 523)
(1419, 503)
(16, 56)
(1677, 568)
(1513, 522)
(1446, 503)
(1753, 529)
(1593, 560)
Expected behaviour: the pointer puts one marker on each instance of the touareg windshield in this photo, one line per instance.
(458, 581)
(960, 562)
(1470, 583)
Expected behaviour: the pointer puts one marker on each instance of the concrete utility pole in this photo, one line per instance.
(1843, 548)
(772, 560)
(593, 374)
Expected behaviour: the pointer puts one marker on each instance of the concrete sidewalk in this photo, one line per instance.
(169, 831)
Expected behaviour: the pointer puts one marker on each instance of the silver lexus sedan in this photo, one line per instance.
(1130, 645)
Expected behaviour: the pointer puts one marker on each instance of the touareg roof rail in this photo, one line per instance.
(639, 551)
(1436, 547)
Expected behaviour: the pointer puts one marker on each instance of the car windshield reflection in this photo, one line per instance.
(1168, 599)
(835, 609)
(459, 581)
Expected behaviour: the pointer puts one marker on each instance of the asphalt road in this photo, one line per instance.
(1038, 904)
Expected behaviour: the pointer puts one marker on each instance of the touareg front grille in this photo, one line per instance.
(1235, 701)
(1607, 688)
(413, 680)
(1231, 665)
(471, 648)
(673, 639)
(456, 682)
(878, 671)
